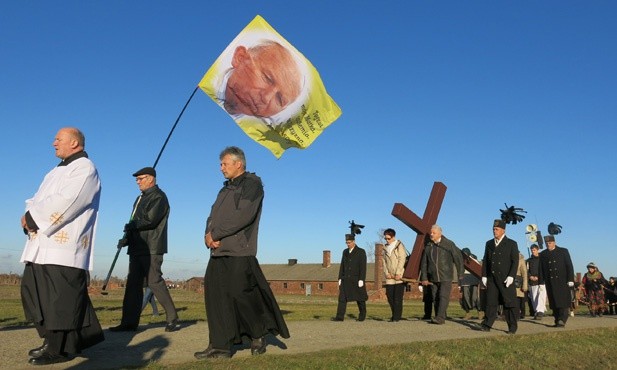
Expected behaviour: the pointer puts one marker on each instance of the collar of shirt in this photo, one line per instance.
(390, 246)
(72, 157)
(497, 241)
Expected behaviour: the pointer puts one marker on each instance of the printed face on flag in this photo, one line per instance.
(272, 92)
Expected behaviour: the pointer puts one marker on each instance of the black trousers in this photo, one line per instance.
(511, 309)
(441, 298)
(561, 313)
(427, 298)
(342, 307)
(239, 302)
(395, 293)
(148, 268)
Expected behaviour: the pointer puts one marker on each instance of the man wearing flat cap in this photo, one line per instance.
(498, 271)
(557, 273)
(351, 278)
(146, 237)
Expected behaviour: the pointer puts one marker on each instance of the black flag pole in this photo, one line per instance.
(174, 126)
(113, 264)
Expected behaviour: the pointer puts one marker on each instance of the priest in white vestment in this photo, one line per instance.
(60, 222)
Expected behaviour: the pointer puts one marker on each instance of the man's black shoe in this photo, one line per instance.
(172, 326)
(336, 319)
(48, 359)
(123, 327)
(258, 346)
(213, 353)
(37, 352)
(437, 321)
(360, 319)
(426, 317)
(560, 324)
(510, 332)
(482, 328)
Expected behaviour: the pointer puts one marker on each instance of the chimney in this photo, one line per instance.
(379, 275)
(292, 261)
(326, 259)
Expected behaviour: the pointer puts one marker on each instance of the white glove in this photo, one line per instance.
(542, 287)
(570, 284)
(509, 281)
(360, 283)
(484, 280)
(420, 288)
(339, 282)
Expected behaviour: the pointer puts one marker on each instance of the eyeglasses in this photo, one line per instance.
(141, 178)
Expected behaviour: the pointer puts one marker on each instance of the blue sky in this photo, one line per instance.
(502, 101)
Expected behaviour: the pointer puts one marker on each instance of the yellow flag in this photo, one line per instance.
(270, 89)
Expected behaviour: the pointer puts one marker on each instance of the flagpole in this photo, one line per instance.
(113, 264)
(174, 126)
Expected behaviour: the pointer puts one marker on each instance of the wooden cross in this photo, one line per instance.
(422, 226)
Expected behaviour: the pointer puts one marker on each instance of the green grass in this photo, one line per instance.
(190, 306)
(583, 349)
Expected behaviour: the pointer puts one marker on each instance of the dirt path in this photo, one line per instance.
(152, 343)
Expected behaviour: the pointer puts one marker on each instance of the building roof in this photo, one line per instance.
(308, 272)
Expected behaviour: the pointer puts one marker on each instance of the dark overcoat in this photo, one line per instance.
(352, 270)
(556, 271)
(500, 262)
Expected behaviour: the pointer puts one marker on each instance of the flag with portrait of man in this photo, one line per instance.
(270, 89)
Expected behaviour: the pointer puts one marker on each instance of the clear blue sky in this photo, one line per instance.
(503, 101)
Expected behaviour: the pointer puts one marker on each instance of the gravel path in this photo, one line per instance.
(152, 343)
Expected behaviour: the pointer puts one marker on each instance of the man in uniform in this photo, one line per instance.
(351, 277)
(499, 267)
(60, 221)
(557, 273)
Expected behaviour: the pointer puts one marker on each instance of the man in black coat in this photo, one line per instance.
(557, 273)
(146, 238)
(351, 278)
(498, 272)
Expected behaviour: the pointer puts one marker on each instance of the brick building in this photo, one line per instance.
(321, 279)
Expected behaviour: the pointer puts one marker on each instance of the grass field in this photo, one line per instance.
(190, 306)
(576, 349)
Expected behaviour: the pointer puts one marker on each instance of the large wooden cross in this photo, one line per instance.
(422, 226)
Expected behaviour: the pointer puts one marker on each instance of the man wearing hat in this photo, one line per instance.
(498, 271)
(351, 278)
(537, 291)
(146, 237)
(557, 273)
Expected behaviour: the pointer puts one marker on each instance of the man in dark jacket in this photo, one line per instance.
(351, 278)
(537, 291)
(146, 237)
(439, 257)
(557, 273)
(239, 301)
(498, 272)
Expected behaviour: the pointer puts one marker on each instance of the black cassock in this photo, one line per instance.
(239, 302)
(55, 298)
